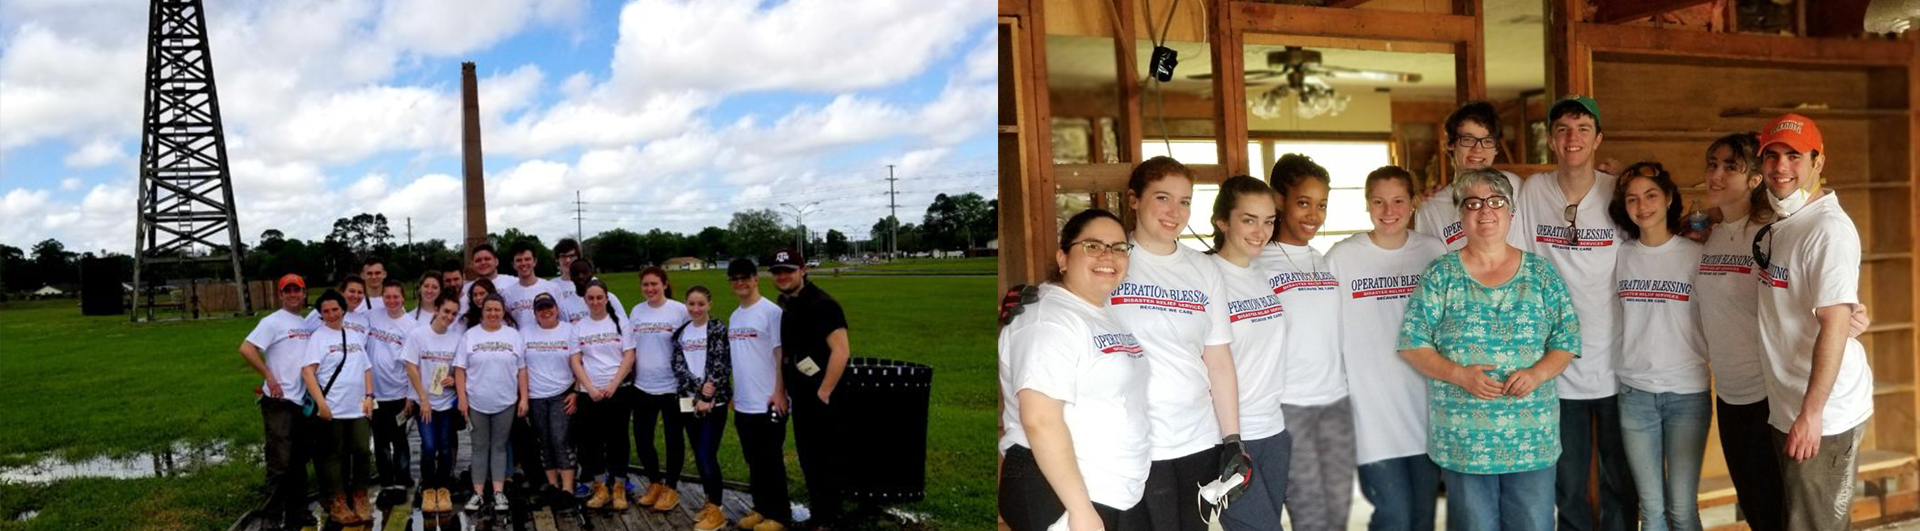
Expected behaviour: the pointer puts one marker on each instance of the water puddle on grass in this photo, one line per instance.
(168, 462)
(28, 515)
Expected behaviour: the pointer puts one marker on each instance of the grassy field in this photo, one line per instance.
(933, 266)
(79, 387)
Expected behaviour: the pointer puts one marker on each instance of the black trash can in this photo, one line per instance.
(886, 416)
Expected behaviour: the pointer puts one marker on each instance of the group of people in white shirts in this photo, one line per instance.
(549, 368)
(1148, 385)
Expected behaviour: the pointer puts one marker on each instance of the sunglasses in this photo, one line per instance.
(1572, 215)
(1763, 258)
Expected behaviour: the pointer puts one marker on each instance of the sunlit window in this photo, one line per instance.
(1347, 162)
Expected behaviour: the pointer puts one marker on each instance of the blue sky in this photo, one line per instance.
(664, 114)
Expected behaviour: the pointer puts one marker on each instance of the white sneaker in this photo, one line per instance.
(499, 501)
(473, 504)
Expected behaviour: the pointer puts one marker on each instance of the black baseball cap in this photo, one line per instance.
(787, 259)
(544, 301)
(742, 266)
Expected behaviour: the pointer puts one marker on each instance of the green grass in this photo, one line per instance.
(79, 387)
(934, 266)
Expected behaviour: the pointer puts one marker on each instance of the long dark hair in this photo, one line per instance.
(1746, 151)
(1230, 193)
(1076, 225)
(1661, 179)
(596, 283)
(473, 316)
(473, 304)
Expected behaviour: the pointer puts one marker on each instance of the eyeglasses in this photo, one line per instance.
(1476, 203)
(1763, 258)
(1098, 249)
(1468, 142)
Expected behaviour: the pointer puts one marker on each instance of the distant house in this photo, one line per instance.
(48, 291)
(684, 263)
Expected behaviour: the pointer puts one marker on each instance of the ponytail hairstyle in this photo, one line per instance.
(658, 272)
(1746, 151)
(1230, 193)
(1294, 168)
(596, 283)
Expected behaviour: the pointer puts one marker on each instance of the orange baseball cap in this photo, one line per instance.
(1796, 131)
(291, 278)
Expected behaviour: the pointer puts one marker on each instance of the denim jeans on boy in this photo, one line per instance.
(1584, 426)
(1403, 491)
(1665, 435)
(1515, 501)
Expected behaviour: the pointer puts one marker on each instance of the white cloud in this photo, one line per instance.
(95, 153)
(70, 184)
(454, 27)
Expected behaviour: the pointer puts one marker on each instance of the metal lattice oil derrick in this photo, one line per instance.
(186, 190)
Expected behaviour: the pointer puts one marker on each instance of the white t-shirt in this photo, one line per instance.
(1662, 349)
(1586, 262)
(1307, 288)
(601, 345)
(327, 349)
(549, 358)
(520, 298)
(573, 307)
(1079, 354)
(649, 332)
(1729, 297)
(1815, 264)
(753, 332)
(1259, 326)
(1173, 307)
(493, 361)
(433, 354)
(1390, 417)
(282, 339)
(693, 346)
(1437, 217)
(386, 337)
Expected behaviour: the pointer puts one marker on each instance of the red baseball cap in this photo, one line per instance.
(291, 278)
(1796, 131)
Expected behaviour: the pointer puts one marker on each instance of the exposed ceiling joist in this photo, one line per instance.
(1617, 11)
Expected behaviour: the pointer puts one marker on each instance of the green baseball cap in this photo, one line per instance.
(1587, 104)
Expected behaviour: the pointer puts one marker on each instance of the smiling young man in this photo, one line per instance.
(1473, 140)
(1819, 387)
(815, 349)
(1568, 224)
(277, 349)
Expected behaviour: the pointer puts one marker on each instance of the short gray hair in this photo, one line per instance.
(1488, 176)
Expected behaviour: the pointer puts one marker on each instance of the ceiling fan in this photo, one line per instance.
(1306, 77)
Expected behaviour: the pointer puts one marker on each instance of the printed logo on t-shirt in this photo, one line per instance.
(491, 346)
(387, 336)
(651, 328)
(603, 338)
(1560, 237)
(1453, 232)
(299, 333)
(1774, 276)
(1722, 264)
(1655, 291)
(437, 355)
(740, 333)
(548, 346)
(1182, 301)
(1386, 288)
(1118, 344)
(689, 345)
(1303, 281)
(1257, 309)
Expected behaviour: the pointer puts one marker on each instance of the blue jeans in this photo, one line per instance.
(1665, 435)
(1516, 501)
(1585, 424)
(1259, 507)
(1402, 491)
(705, 430)
(437, 445)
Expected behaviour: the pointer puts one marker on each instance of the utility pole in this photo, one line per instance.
(800, 217)
(409, 232)
(893, 211)
(577, 211)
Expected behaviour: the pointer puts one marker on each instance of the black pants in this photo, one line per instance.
(1028, 502)
(763, 439)
(1173, 490)
(524, 442)
(1754, 464)
(289, 446)
(816, 435)
(600, 432)
(390, 454)
(666, 408)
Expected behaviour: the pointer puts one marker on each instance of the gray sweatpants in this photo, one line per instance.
(1820, 489)
(550, 421)
(489, 440)
(1320, 480)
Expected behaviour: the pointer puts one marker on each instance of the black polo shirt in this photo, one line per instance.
(806, 319)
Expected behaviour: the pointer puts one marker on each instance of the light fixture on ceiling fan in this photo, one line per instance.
(1306, 77)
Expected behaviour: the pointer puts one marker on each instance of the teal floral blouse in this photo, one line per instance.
(1509, 327)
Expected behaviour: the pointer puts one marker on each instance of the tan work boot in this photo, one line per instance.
(667, 500)
(599, 498)
(769, 525)
(710, 519)
(338, 511)
(446, 500)
(362, 508)
(752, 518)
(619, 492)
(652, 495)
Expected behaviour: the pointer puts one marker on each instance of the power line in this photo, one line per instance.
(893, 214)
